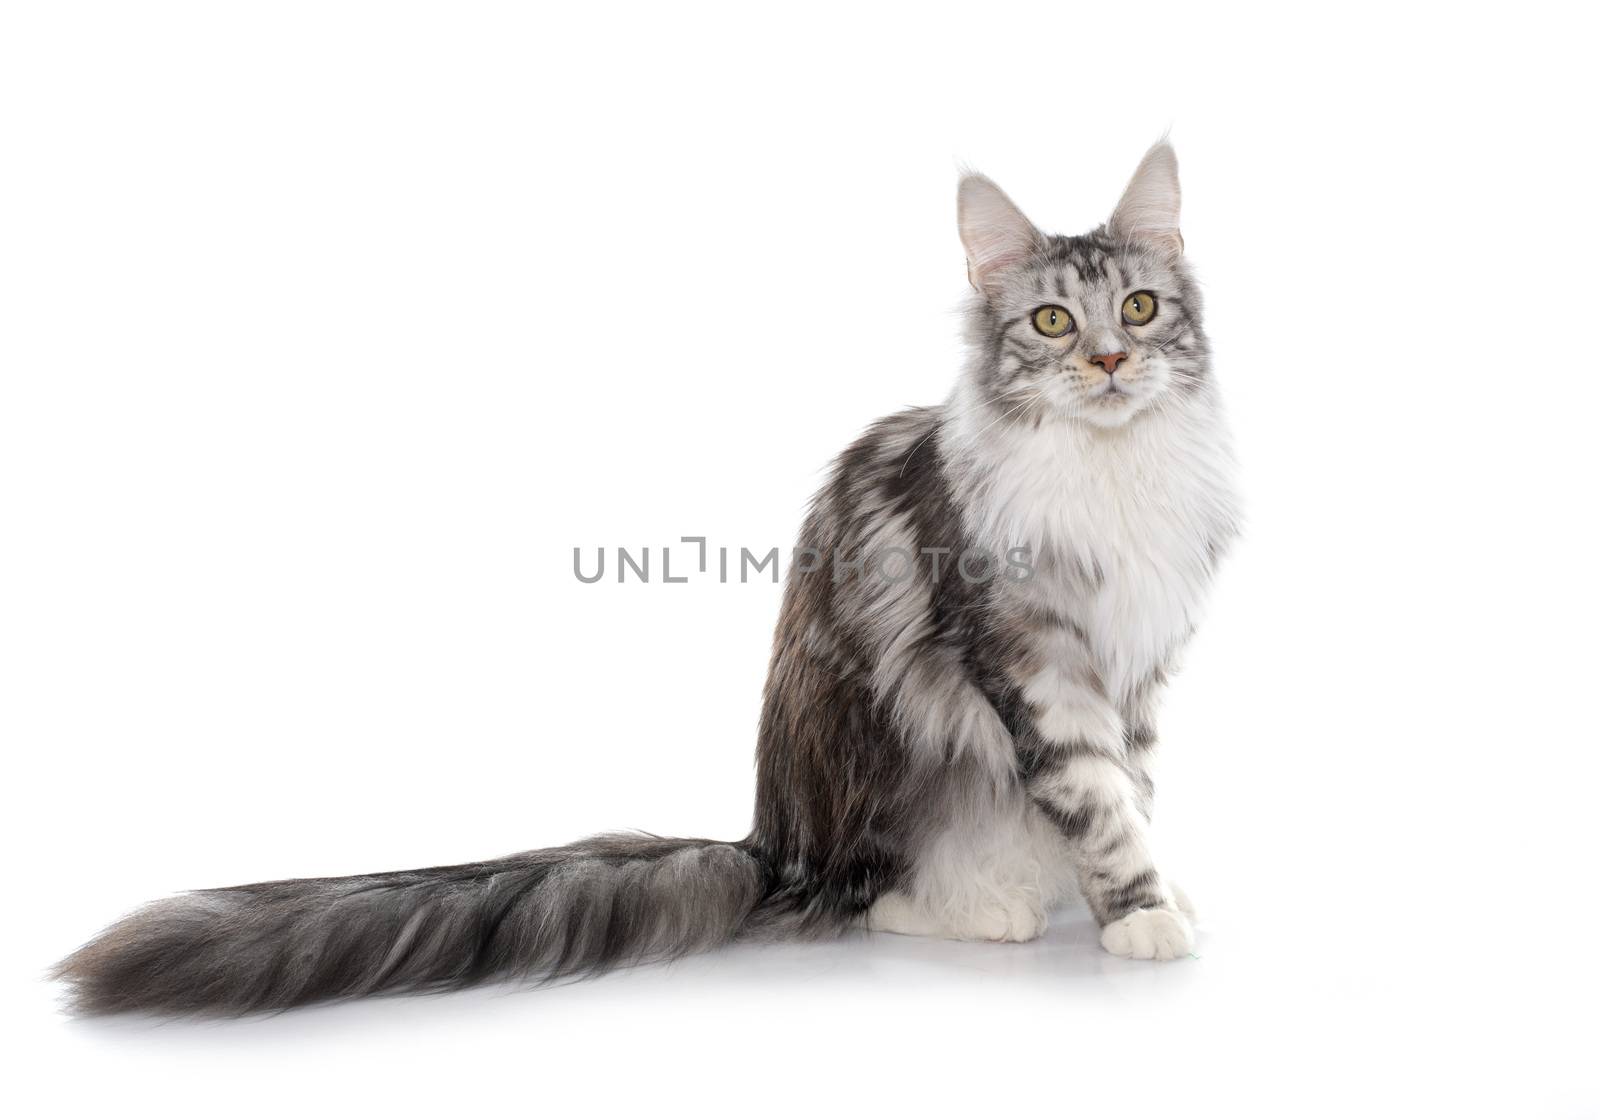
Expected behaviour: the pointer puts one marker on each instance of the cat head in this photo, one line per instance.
(1096, 328)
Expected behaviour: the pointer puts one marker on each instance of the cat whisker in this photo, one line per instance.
(968, 411)
(1035, 398)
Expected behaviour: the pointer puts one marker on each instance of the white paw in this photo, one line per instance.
(1011, 918)
(1149, 935)
(1005, 917)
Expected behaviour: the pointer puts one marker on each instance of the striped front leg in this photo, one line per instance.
(1080, 773)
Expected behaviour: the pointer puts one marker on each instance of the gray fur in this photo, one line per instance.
(600, 904)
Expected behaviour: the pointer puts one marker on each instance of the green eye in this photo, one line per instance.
(1139, 308)
(1052, 321)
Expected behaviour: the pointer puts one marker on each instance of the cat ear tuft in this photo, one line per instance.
(1148, 212)
(997, 235)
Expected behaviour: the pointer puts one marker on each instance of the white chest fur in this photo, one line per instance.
(1125, 524)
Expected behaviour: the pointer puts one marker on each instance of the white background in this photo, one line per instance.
(327, 332)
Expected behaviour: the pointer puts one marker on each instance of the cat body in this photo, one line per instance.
(948, 751)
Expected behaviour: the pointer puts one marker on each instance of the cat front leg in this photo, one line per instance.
(1080, 775)
(1087, 791)
(1139, 749)
(941, 712)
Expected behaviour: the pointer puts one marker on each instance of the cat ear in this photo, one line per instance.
(997, 235)
(1148, 212)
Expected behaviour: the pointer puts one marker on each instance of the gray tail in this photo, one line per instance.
(582, 909)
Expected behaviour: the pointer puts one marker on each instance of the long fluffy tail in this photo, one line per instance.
(605, 902)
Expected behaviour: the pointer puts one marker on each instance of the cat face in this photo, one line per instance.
(1096, 328)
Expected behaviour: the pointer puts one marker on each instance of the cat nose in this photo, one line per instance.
(1108, 362)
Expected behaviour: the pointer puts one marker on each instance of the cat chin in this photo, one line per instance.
(1114, 413)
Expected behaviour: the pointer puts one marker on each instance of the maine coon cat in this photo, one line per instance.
(939, 754)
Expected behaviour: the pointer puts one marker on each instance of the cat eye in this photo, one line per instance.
(1139, 308)
(1052, 321)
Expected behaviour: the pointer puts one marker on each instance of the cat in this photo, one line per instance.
(939, 754)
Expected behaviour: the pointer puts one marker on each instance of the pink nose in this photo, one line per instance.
(1108, 362)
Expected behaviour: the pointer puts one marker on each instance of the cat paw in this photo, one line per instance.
(1018, 918)
(1005, 917)
(1149, 935)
